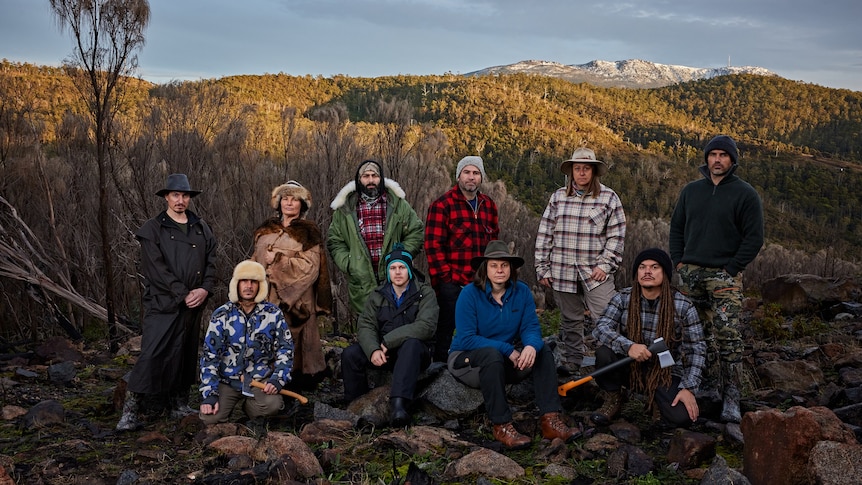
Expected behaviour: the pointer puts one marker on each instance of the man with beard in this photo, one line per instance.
(370, 216)
(178, 266)
(715, 231)
(636, 316)
(459, 225)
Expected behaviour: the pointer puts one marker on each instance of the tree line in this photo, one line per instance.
(238, 137)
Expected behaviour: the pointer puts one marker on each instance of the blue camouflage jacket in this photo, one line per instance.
(257, 345)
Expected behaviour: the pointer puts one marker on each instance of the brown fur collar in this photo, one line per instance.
(303, 231)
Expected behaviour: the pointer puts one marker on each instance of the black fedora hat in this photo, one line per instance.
(178, 182)
(497, 250)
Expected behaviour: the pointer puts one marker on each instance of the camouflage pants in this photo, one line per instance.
(718, 298)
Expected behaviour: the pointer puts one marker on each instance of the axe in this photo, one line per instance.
(284, 392)
(658, 347)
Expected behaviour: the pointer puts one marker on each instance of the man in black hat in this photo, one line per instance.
(717, 229)
(636, 316)
(178, 266)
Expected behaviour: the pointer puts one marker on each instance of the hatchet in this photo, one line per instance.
(284, 392)
(658, 347)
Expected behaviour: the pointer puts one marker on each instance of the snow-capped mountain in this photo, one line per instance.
(632, 73)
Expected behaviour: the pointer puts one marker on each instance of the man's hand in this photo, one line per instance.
(209, 408)
(270, 389)
(598, 274)
(196, 297)
(545, 282)
(378, 357)
(639, 352)
(527, 358)
(688, 400)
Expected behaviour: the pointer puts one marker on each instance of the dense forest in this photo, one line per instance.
(238, 137)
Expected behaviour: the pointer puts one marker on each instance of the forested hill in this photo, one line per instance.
(800, 143)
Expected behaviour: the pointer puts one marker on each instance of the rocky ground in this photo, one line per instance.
(59, 410)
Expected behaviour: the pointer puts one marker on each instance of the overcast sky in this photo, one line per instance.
(815, 41)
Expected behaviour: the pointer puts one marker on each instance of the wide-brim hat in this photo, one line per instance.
(497, 250)
(178, 182)
(584, 155)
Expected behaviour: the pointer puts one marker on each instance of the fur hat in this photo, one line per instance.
(584, 155)
(497, 250)
(178, 182)
(248, 270)
(722, 142)
(294, 188)
(657, 255)
(471, 160)
(399, 254)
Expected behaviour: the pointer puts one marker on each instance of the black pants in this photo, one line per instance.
(447, 296)
(493, 371)
(614, 380)
(405, 362)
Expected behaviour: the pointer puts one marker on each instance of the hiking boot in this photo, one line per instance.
(398, 415)
(554, 427)
(609, 410)
(179, 405)
(730, 412)
(510, 437)
(130, 419)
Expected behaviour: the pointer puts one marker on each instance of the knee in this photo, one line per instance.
(605, 356)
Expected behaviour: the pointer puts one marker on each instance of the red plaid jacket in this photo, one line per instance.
(454, 234)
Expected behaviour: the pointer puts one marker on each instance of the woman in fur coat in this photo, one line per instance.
(290, 248)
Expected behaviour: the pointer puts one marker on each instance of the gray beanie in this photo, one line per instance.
(722, 142)
(471, 160)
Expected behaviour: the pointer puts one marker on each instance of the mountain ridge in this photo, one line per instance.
(630, 73)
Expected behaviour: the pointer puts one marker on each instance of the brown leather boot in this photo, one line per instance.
(609, 410)
(554, 427)
(510, 437)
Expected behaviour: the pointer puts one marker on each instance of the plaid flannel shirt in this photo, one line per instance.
(578, 233)
(688, 345)
(372, 224)
(454, 234)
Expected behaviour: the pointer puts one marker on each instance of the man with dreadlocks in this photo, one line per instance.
(637, 316)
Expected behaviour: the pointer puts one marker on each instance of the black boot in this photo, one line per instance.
(398, 415)
(179, 405)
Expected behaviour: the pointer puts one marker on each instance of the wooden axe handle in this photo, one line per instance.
(284, 392)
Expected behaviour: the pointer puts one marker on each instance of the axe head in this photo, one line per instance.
(659, 347)
(246, 385)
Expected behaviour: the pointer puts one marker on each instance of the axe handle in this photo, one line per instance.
(562, 390)
(284, 392)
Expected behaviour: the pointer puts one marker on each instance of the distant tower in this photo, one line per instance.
(728, 62)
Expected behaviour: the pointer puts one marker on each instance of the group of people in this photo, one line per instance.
(472, 313)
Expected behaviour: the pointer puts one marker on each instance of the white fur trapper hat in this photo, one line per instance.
(248, 270)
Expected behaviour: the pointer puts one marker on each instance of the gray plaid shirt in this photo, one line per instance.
(689, 344)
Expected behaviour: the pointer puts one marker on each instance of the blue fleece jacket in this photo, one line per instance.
(482, 322)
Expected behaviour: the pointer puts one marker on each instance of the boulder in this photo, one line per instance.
(778, 444)
(791, 376)
(797, 293)
(832, 463)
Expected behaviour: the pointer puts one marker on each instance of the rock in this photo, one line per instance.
(560, 471)
(690, 449)
(720, 474)
(447, 398)
(797, 293)
(44, 414)
(13, 412)
(325, 430)
(792, 376)
(629, 461)
(234, 445)
(277, 443)
(832, 463)
(851, 414)
(602, 443)
(777, 445)
(63, 373)
(484, 462)
(626, 431)
(59, 349)
(851, 377)
(327, 412)
(421, 440)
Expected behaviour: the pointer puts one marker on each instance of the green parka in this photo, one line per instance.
(348, 249)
